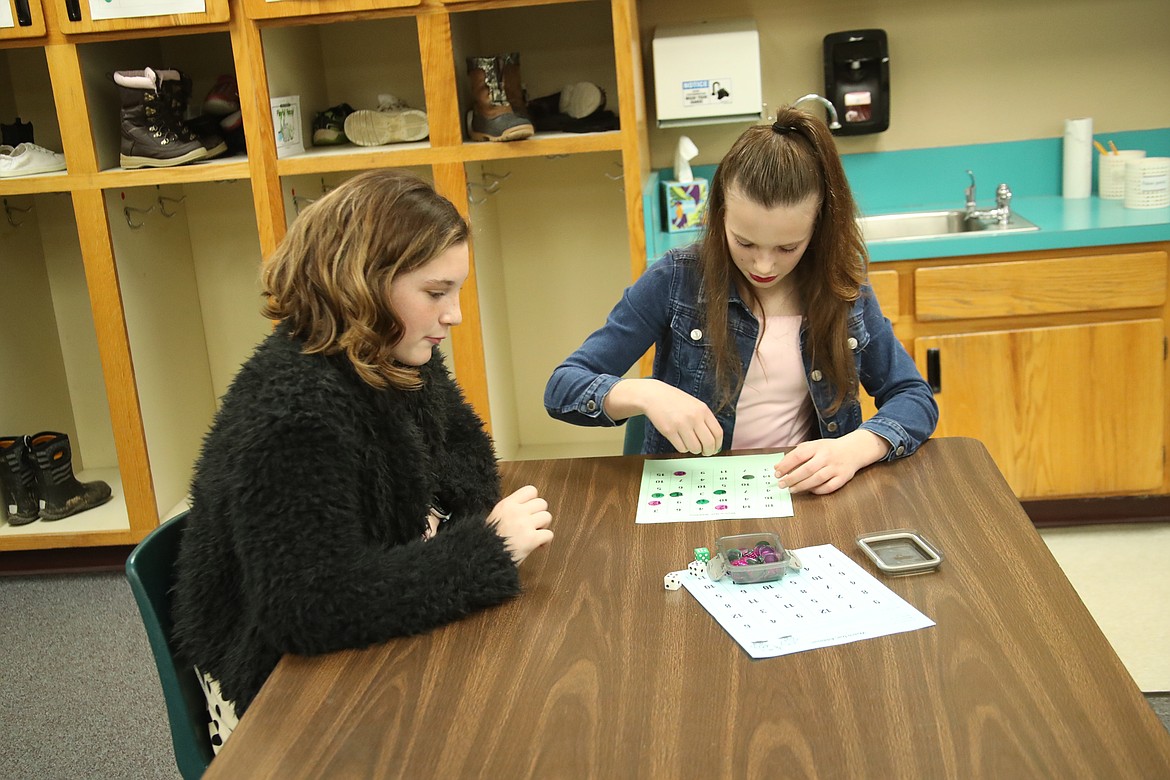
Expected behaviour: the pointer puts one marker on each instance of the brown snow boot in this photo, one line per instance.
(492, 117)
(18, 480)
(63, 494)
(513, 87)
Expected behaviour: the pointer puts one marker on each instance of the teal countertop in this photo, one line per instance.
(929, 179)
(1063, 224)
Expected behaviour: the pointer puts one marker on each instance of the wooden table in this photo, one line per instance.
(597, 672)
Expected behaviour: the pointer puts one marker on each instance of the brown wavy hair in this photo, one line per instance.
(329, 280)
(782, 164)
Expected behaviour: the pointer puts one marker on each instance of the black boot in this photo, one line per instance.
(18, 479)
(175, 88)
(63, 495)
(16, 133)
(148, 140)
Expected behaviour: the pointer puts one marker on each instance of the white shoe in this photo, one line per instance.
(581, 99)
(26, 159)
(392, 122)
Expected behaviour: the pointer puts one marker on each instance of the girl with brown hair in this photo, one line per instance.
(763, 330)
(346, 492)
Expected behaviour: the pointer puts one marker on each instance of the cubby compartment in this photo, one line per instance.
(188, 261)
(550, 250)
(558, 45)
(350, 62)
(27, 93)
(203, 57)
(52, 378)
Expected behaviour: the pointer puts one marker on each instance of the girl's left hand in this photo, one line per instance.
(822, 466)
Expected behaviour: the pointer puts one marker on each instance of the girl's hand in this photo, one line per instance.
(823, 465)
(522, 520)
(686, 422)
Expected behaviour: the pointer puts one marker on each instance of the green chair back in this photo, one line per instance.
(150, 570)
(635, 433)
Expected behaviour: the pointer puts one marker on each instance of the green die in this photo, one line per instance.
(702, 554)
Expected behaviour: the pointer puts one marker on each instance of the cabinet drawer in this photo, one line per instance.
(1052, 286)
(74, 17)
(27, 18)
(885, 289)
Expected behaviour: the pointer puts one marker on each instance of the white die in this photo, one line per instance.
(697, 568)
(672, 581)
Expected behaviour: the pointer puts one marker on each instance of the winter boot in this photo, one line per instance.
(513, 87)
(18, 480)
(492, 117)
(148, 139)
(175, 87)
(63, 495)
(16, 133)
(391, 123)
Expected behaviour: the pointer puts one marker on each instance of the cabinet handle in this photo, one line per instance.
(23, 15)
(933, 372)
(73, 10)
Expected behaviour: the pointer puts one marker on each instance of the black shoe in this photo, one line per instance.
(18, 481)
(62, 493)
(16, 133)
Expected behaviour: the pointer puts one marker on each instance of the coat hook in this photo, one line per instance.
(488, 188)
(496, 176)
(8, 209)
(162, 205)
(127, 209)
(299, 200)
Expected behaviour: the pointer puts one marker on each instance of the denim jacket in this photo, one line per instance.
(661, 308)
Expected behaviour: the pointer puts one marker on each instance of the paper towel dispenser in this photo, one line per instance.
(857, 80)
(707, 73)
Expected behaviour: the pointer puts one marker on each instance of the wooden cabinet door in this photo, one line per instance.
(27, 20)
(1063, 410)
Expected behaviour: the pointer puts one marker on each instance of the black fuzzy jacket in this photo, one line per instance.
(308, 507)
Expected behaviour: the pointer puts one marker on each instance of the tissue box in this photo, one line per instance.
(683, 205)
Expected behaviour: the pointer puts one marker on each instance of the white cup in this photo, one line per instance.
(1111, 173)
(1147, 183)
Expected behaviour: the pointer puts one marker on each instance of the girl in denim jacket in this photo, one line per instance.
(763, 330)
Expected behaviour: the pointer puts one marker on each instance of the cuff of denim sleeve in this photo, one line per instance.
(900, 445)
(592, 402)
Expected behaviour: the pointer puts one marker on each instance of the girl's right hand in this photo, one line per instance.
(686, 422)
(522, 520)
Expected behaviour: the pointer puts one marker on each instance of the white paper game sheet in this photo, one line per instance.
(830, 601)
(734, 487)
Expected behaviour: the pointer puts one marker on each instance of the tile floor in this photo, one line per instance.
(1121, 574)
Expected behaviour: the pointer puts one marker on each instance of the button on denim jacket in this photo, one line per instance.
(661, 308)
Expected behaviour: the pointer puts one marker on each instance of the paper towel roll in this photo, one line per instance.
(1078, 158)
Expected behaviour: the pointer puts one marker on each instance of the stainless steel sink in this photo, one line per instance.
(931, 224)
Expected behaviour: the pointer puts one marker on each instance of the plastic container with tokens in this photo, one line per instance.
(764, 558)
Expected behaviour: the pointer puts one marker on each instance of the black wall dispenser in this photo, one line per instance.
(857, 80)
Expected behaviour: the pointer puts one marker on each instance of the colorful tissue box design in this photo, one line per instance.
(683, 204)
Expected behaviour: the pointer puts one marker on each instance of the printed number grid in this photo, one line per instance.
(687, 489)
(830, 601)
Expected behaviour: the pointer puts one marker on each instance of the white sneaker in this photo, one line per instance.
(581, 99)
(392, 122)
(26, 159)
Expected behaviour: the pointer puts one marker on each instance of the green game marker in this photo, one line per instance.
(720, 492)
(675, 494)
(655, 495)
(702, 501)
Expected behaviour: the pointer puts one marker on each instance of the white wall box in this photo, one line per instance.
(707, 73)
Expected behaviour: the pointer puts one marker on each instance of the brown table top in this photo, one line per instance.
(596, 671)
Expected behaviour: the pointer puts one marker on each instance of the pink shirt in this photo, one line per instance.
(775, 408)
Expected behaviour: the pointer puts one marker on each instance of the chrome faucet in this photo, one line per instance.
(833, 123)
(1002, 213)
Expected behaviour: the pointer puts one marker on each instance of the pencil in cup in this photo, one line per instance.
(1111, 173)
